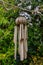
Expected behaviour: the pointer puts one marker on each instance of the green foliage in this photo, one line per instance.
(35, 38)
(7, 23)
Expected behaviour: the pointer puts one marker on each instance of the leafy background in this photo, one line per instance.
(35, 37)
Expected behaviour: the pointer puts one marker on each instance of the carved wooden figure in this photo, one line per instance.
(21, 31)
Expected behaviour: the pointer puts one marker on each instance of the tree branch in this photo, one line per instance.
(14, 7)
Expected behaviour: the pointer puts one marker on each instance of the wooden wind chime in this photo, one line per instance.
(20, 33)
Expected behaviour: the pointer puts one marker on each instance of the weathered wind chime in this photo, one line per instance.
(20, 34)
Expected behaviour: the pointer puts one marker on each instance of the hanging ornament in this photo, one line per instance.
(20, 33)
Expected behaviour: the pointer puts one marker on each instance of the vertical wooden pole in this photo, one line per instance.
(15, 41)
(21, 43)
(25, 41)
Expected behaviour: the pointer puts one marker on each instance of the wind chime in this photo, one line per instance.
(20, 38)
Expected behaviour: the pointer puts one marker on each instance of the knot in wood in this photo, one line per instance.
(21, 20)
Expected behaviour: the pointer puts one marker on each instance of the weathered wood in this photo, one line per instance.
(15, 41)
(25, 42)
(22, 37)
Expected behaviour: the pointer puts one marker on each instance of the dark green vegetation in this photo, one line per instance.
(35, 37)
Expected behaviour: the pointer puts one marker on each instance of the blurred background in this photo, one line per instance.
(8, 13)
